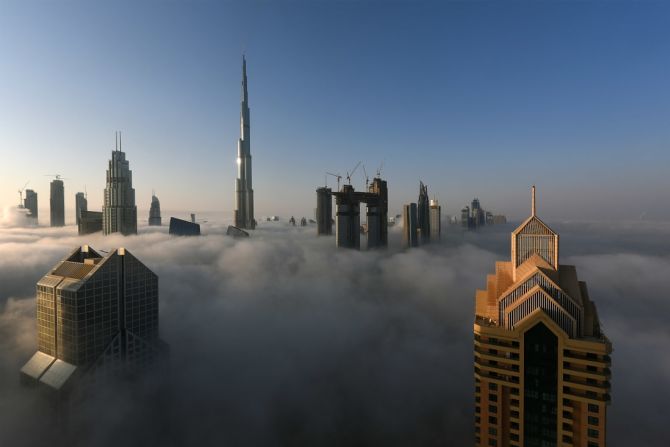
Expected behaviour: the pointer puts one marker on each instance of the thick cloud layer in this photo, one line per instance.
(283, 340)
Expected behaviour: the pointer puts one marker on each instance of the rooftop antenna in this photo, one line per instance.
(120, 147)
(352, 173)
(532, 204)
(116, 140)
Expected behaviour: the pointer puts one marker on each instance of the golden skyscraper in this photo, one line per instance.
(542, 363)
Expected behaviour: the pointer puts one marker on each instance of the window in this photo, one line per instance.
(593, 433)
(493, 397)
(493, 420)
(493, 442)
(593, 420)
(593, 408)
(493, 386)
(493, 409)
(493, 431)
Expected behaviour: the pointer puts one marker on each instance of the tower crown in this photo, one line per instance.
(534, 237)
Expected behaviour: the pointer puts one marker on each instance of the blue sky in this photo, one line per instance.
(474, 98)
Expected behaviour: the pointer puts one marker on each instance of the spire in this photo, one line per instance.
(244, 79)
(532, 204)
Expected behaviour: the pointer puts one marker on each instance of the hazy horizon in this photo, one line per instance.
(476, 99)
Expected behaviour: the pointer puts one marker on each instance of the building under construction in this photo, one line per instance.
(347, 220)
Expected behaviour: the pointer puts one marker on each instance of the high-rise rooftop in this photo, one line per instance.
(119, 213)
(542, 362)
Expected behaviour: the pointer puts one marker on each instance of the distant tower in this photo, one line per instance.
(30, 203)
(542, 362)
(155, 212)
(81, 204)
(324, 211)
(410, 228)
(478, 215)
(435, 221)
(57, 203)
(84, 329)
(244, 193)
(465, 217)
(423, 214)
(119, 211)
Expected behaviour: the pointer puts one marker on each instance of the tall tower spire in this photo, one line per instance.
(244, 193)
(532, 199)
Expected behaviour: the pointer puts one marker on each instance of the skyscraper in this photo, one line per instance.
(423, 214)
(119, 213)
(180, 227)
(30, 203)
(96, 316)
(478, 215)
(81, 204)
(465, 217)
(377, 213)
(409, 226)
(435, 221)
(244, 193)
(542, 363)
(347, 218)
(57, 203)
(90, 222)
(324, 211)
(155, 211)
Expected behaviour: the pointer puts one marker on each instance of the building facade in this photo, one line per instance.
(81, 204)
(57, 203)
(244, 193)
(155, 212)
(90, 222)
(96, 316)
(423, 214)
(30, 203)
(180, 227)
(409, 226)
(119, 213)
(324, 211)
(542, 363)
(435, 221)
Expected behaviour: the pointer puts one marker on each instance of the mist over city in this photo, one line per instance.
(302, 344)
(334, 223)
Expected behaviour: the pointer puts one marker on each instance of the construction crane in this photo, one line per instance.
(338, 176)
(352, 173)
(367, 180)
(379, 169)
(21, 194)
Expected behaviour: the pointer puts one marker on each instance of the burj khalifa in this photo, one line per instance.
(244, 194)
